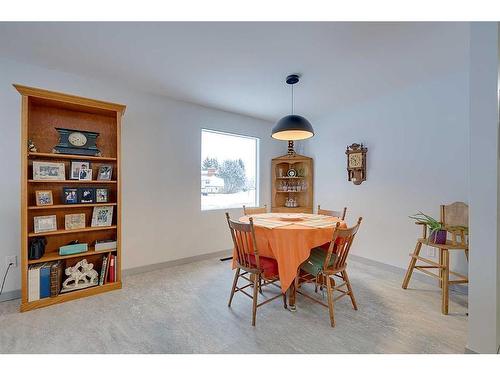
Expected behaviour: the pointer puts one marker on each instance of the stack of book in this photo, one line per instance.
(44, 280)
(108, 269)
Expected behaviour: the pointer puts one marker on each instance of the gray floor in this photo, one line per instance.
(183, 309)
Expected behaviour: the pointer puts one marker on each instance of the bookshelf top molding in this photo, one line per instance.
(69, 99)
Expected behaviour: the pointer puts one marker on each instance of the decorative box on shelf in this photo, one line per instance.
(73, 249)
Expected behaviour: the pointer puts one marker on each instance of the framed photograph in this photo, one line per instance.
(45, 223)
(43, 170)
(85, 175)
(44, 198)
(101, 195)
(86, 195)
(75, 169)
(105, 172)
(102, 216)
(70, 195)
(74, 221)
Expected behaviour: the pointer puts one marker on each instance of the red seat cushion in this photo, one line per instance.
(338, 242)
(268, 266)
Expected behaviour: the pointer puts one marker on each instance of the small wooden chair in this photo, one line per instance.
(324, 266)
(455, 220)
(262, 271)
(254, 210)
(340, 214)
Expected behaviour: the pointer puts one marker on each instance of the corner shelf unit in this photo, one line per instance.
(41, 112)
(279, 169)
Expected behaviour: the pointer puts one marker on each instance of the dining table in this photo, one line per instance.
(289, 238)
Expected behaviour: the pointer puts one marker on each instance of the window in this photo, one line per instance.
(229, 165)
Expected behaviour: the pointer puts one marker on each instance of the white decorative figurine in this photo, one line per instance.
(81, 275)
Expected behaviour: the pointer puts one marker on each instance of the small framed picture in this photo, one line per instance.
(102, 216)
(85, 175)
(86, 195)
(74, 221)
(43, 170)
(70, 195)
(105, 172)
(44, 198)
(101, 195)
(76, 166)
(45, 223)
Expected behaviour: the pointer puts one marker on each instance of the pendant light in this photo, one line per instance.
(292, 127)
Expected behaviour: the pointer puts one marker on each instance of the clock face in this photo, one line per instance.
(77, 139)
(355, 160)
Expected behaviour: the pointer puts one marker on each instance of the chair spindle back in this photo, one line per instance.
(339, 214)
(243, 236)
(254, 210)
(341, 241)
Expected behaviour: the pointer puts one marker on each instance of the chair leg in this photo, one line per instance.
(446, 276)
(330, 299)
(255, 295)
(260, 284)
(411, 266)
(440, 270)
(284, 300)
(349, 288)
(235, 281)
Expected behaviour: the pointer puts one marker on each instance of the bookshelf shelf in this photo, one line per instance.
(41, 112)
(66, 206)
(50, 257)
(27, 306)
(71, 182)
(292, 192)
(69, 231)
(46, 155)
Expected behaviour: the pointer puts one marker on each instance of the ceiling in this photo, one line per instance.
(241, 67)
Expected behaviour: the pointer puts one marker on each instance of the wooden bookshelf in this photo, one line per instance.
(280, 166)
(41, 112)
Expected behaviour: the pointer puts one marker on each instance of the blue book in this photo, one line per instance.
(45, 280)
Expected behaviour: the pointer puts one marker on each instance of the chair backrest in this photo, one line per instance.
(341, 243)
(455, 214)
(243, 236)
(254, 210)
(340, 214)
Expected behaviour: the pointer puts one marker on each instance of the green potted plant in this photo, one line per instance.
(436, 232)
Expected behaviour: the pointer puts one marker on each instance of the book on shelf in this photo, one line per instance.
(112, 267)
(45, 280)
(103, 270)
(56, 273)
(34, 282)
(105, 245)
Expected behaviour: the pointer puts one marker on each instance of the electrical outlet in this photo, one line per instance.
(431, 252)
(11, 259)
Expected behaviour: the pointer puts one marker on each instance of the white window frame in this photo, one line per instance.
(257, 166)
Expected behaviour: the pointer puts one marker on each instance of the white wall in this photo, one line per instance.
(484, 291)
(162, 219)
(417, 159)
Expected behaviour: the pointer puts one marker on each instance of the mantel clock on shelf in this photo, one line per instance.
(77, 142)
(356, 163)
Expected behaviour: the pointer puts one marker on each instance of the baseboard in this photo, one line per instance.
(10, 295)
(173, 263)
(462, 289)
(469, 351)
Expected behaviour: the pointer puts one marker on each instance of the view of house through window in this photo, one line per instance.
(228, 170)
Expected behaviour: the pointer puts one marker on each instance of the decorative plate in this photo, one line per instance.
(292, 173)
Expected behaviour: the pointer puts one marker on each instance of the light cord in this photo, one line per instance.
(293, 108)
(4, 277)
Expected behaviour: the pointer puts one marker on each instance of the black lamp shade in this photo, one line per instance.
(292, 128)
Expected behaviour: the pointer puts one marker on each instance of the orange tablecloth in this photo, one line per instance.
(290, 245)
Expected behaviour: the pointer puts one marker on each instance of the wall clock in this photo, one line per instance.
(356, 163)
(77, 142)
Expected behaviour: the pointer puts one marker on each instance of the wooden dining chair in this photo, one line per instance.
(258, 271)
(339, 214)
(323, 267)
(455, 220)
(254, 210)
